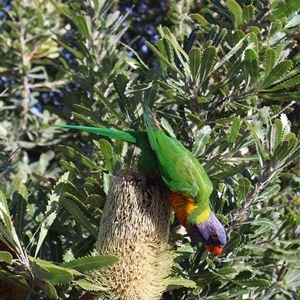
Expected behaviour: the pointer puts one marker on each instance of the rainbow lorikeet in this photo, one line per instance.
(188, 185)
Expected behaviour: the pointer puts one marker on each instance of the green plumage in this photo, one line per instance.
(180, 170)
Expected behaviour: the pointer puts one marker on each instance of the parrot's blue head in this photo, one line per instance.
(211, 233)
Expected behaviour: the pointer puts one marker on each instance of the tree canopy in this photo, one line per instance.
(224, 75)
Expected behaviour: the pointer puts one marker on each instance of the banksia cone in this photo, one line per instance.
(135, 228)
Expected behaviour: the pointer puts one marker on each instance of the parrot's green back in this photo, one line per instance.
(179, 169)
(147, 162)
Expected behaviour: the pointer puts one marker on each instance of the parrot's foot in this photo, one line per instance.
(144, 182)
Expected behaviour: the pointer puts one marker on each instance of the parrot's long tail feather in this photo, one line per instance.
(121, 135)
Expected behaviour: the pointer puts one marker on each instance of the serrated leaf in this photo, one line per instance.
(275, 135)
(229, 172)
(79, 216)
(89, 263)
(195, 58)
(270, 58)
(276, 73)
(120, 83)
(6, 257)
(226, 58)
(202, 138)
(227, 271)
(49, 265)
(89, 117)
(291, 82)
(250, 67)
(284, 9)
(68, 166)
(236, 11)
(252, 283)
(248, 13)
(264, 222)
(236, 124)
(234, 241)
(86, 285)
(39, 271)
(176, 283)
(259, 146)
(162, 57)
(219, 37)
(51, 208)
(200, 19)
(275, 96)
(243, 188)
(107, 152)
(208, 61)
(78, 157)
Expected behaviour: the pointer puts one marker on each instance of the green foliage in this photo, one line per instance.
(225, 82)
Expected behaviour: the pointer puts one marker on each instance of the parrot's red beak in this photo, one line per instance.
(214, 250)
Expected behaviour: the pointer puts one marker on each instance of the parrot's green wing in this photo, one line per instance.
(147, 162)
(180, 170)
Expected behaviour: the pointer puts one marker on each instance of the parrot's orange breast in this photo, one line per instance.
(183, 206)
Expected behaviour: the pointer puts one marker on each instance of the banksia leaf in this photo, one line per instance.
(134, 227)
(89, 263)
(79, 216)
(70, 152)
(121, 85)
(202, 138)
(199, 19)
(195, 58)
(50, 290)
(6, 257)
(284, 9)
(270, 60)
(236, 124)
(236, 11)
(208, 60)
(107, 152)
(277, 72)
(248, 13)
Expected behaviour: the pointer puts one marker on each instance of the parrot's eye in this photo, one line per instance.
(214, 235)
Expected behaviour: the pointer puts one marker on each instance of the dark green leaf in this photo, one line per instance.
(79, 216)
(284, 9)
(82, 26)
(195, 58)
(90, 263)
(78, 157)
(276, 73)
(236, 124)
(86, 285)
(208, 61)
(248, 13)
(236, 11)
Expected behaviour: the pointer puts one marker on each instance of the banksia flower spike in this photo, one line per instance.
(135, 228)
